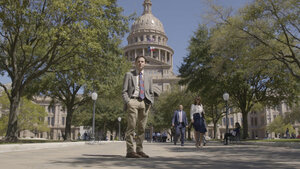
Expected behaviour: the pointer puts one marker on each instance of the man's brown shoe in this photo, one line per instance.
(142, 154)
(133, 155)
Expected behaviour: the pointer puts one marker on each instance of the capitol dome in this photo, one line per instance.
(147, 21)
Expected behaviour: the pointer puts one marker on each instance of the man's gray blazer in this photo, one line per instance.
(129, 87)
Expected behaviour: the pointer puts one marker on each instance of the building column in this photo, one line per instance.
(151, 53)
(159, 58)
(135, 55)
(143, 51)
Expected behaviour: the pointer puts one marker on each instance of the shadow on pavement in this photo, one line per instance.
(188, 157)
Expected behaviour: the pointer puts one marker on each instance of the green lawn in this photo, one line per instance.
(25, 141)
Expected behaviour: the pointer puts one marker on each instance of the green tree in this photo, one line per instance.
(195, 71)
(278, 126)
(108, 109)
(31, 116)
(37, 36)
(3, 124)
(65, 86)
(222, 61)
(273, 25)
(247, 80)
(293, 115)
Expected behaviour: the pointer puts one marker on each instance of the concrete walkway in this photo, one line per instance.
(163, 155)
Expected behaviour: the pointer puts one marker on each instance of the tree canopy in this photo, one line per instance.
(40, 36)
(273, 25)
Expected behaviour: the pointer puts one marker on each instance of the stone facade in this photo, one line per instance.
(258, 121)
(56, 121)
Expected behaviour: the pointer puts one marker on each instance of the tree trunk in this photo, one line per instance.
(245, 124)
(12, 128)
(68, 130)
(215, 129)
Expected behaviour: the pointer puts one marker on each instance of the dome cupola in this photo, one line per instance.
(147, 20)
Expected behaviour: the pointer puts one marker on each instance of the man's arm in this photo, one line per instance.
(125, 88)
(173, 119)
(186, 120)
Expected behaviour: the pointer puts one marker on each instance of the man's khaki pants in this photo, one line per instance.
(137, 114)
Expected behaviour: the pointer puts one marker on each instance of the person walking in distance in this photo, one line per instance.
(197, 118)
(138, 97)
(179, 121)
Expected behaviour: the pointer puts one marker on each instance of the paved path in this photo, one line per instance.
(163, 155)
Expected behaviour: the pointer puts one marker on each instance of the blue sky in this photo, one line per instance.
(179, 17)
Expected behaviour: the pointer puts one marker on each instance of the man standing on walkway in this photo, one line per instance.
(138, 97)
(179, 121)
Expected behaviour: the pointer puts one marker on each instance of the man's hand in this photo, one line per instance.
(192, 120)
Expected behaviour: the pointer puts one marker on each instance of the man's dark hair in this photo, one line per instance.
(141, 56)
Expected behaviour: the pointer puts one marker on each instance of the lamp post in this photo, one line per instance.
(119, 119)
(94, 97)
(226, 97)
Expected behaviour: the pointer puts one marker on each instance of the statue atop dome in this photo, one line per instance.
(147, 7)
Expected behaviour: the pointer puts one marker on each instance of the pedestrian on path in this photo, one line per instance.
(198, 120)
(179, 122)
(138, 97)
(287, 133)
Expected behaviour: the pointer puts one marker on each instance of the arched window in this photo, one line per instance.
(154, 38)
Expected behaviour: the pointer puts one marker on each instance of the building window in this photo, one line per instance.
(224, 122)
(53, 109)
(154, 38)
(255, 121)
(148, 38)
(278, 107)
(231, 121)
(48, 121)
(52, 121)
(63, 108)
(63, 120)
(263, 120)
